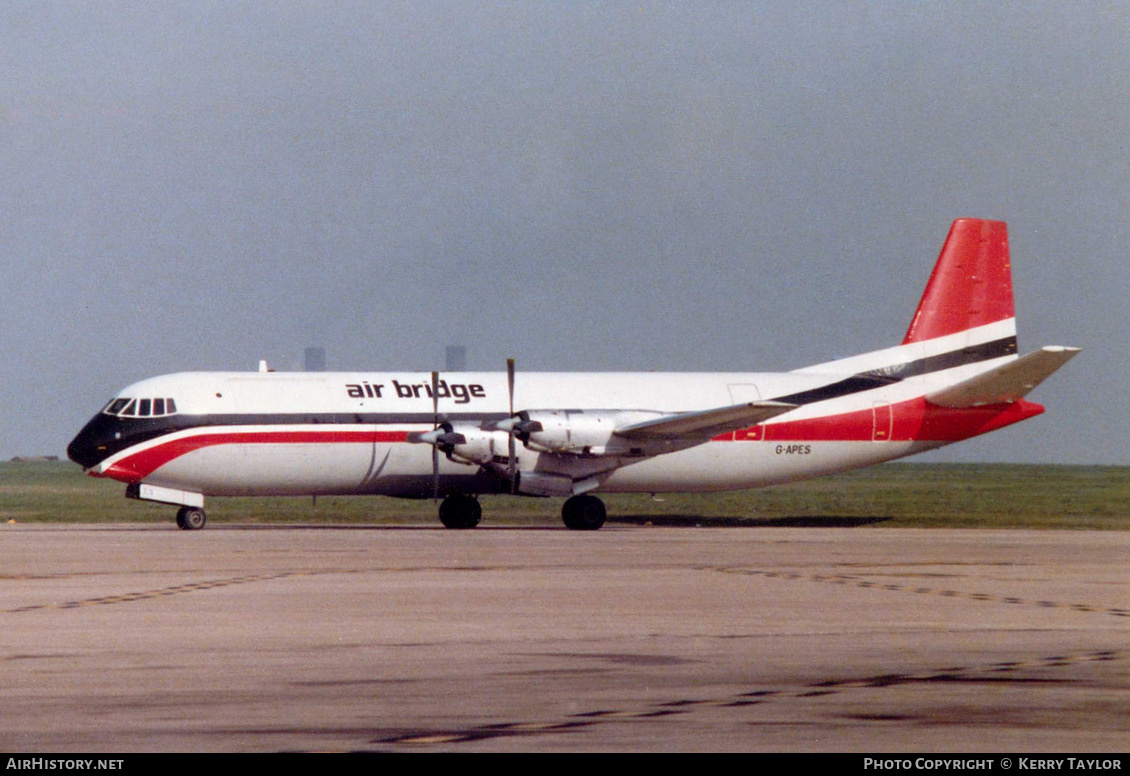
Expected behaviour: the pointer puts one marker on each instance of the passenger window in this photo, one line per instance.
(158, 406)
(143, 408)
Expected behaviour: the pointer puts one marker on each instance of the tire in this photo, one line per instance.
(191, 518)
(460, 511)
(583, 513)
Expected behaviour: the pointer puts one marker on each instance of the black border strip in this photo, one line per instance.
(877, 378)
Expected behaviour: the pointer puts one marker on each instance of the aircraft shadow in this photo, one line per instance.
(800, 521)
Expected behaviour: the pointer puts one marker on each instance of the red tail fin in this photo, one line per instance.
(971, 285)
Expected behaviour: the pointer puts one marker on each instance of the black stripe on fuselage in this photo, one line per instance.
(971, 355)
(877, 378)
(106, 435)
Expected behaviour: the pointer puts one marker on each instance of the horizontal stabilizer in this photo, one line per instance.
(1007, 383)
(705, 423)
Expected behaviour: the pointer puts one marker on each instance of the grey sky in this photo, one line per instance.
(582, 186)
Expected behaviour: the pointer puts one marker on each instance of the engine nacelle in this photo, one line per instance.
(579, 432)
(473, 445)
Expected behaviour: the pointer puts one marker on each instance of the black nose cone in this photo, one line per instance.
(92, 444)
(82, 452)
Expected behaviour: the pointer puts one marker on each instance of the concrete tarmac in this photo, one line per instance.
(126, 638)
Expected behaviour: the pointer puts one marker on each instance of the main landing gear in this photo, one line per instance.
(583, 513)
(191, 518)
(460, 511)
(580, 513)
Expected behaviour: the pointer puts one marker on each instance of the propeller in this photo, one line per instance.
(511, 461)
(435, 427)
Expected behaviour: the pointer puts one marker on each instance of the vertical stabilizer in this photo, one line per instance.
(971, 284)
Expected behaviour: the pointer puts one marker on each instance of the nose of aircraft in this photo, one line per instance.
(81, 451)
(91, 445)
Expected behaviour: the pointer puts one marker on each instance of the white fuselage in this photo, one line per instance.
(349, 433)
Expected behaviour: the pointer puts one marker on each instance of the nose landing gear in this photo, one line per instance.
(191, 518)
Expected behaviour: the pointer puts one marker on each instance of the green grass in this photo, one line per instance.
(896, 495)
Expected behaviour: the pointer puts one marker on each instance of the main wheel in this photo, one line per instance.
(583, 513)
(460, 511)
(191, 518)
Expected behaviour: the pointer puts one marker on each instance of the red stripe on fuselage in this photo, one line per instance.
(915, 420)
(136, 467)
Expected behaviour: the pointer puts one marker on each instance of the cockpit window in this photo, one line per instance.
(145, 408)
(116, 406)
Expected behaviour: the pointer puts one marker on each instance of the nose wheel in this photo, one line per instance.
(191, 518)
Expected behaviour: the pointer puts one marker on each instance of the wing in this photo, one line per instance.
(704, 424)
(577, 448)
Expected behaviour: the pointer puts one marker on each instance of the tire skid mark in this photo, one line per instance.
(579, 721)
(144, 595)
(918, 589)
(990, 673)
(477, 733)
(193, 587)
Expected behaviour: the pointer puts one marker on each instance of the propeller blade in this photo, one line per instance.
(510, 382)
(512, 463)
(435, 427)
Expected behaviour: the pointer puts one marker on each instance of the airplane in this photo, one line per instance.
(956, 374)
